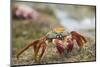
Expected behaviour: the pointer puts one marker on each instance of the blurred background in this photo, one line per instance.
(31, 20)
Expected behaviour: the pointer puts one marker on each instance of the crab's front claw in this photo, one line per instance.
(59, 45)
(60, 49)
(69, 47)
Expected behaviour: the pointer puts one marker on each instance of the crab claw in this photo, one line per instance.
(60, 49)
(69, 45)
(59, 45)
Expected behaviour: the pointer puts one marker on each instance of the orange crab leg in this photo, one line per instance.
(79, 38)
(43, 46)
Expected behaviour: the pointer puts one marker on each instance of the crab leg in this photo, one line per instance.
(81, 40)
(43, 46)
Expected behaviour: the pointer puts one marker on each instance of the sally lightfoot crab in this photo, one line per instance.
(57, 37)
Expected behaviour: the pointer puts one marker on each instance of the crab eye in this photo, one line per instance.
(60, 36)
(57, 36)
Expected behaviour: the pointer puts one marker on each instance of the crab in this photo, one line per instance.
(57, 37)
